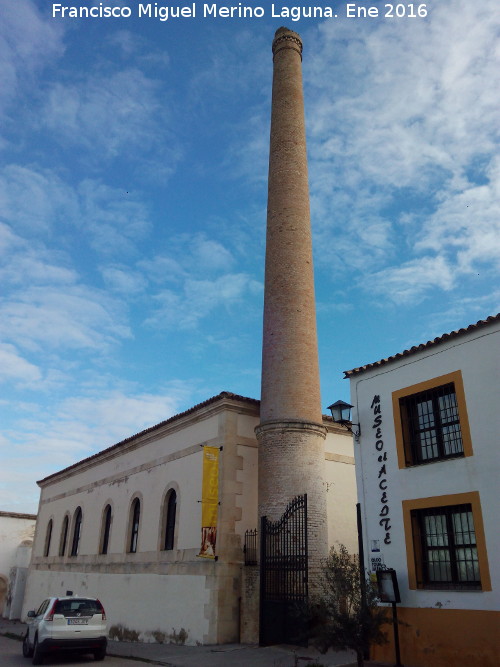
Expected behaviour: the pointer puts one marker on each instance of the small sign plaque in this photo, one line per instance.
(377, 562)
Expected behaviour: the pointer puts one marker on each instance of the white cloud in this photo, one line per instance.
(77, 428)
(206, 255)
(82, 425)
(16, 369)
(248, 155)
(467, 222)
(115, 220)
(28, 41)
(188, 256)
(459, 313)
(118, 114)
(404, 100)
(70, 318)
(403, 134)
(162, 269)
(31, 264)
(34, 200)
(123, 280)
(133, 45)
(45, 304)
(111, 111)
(8, 239)
(461, 237)
(39, 202)
(410, 280)
(15, 475)
(119, 416)
(199, 298)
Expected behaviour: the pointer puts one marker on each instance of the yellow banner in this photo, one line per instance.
(209, 501)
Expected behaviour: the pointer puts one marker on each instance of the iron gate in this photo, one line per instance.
(284, 577)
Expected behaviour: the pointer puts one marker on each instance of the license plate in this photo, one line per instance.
(78, 621)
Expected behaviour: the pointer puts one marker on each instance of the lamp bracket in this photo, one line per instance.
(349, 426)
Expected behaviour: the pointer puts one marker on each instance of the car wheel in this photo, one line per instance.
(100, 654)
(37, 654)
(27, 651)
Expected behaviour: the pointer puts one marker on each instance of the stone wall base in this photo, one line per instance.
(249, 618)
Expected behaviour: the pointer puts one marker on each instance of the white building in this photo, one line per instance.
(125, 525)
(427, 476)
(16, 539)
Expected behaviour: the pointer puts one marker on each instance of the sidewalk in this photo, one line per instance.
(227, 655)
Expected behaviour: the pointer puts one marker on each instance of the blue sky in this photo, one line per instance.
(133, 203)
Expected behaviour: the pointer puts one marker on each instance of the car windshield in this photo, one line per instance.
(78, 607)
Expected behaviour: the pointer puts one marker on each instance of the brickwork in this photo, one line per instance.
(290, 435)
(291, 462)
(290, 375)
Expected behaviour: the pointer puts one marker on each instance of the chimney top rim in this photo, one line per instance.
(286, 38)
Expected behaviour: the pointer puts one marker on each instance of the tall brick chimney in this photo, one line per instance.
(290, 434)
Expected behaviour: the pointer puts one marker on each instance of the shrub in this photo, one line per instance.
(343, 616)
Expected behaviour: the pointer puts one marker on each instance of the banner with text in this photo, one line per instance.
(209, 501)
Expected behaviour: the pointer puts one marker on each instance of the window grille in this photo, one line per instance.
(170, 522)
(250, 547)
(64, 536)
(48, 538)
(107, 530)
(431, 425)
(76, 532)
(134, 528)
(448, 550)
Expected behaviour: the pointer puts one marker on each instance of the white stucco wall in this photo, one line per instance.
(134, 603)
(16, 536)
(476, 356)
(181, 589)
(14, 530)
(145, 468)
(148, 470)
(183, 592)
(341, 495)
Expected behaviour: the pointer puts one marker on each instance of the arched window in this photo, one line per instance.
(48, 537)
(64, 536)
(135, 516)
(171, 507)
(77, 529)
(106, 529)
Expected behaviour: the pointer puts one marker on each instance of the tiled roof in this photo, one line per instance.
(424, 346)
(209, 401)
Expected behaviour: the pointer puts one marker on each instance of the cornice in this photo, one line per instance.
(17, 515)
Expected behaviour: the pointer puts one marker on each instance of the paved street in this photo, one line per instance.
(11, 656)
(127, 654)
(169, 656)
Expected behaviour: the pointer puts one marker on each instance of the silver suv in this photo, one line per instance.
(71, 623)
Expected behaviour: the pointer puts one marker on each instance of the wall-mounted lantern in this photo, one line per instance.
(341, 414)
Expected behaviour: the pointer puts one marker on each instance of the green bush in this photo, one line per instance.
(343, 616)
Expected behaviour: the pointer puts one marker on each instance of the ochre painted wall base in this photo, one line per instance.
(431, 637)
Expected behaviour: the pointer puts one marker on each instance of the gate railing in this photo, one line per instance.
(284, 576)
(250, 547)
